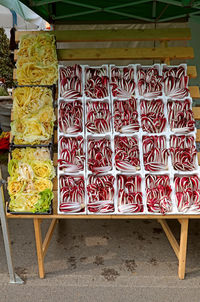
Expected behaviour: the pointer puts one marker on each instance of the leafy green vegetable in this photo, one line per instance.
(31, 202)
(44, 202)
(12, 167)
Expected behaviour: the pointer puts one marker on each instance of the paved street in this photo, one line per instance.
(101, 260)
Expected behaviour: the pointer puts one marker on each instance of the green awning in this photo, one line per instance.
(114, 11)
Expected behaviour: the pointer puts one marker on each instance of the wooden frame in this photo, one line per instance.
(179, 249)
(165, 54)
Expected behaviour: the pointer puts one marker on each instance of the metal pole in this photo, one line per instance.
(14, 278)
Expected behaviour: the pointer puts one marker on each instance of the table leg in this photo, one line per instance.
(183, 247)
(38, 241)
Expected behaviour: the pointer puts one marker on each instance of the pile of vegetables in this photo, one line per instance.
(33, 115)
(37, 60)
(29, 185)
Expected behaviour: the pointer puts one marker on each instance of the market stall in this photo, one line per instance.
(110, 96)
(122, 138)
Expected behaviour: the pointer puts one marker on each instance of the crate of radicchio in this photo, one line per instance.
(126, 141)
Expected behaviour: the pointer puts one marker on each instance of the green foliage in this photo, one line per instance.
(6, 66)
(3, 91)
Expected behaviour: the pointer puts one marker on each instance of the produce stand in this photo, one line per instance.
(164, 54)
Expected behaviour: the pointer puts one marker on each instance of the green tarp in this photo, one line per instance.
(114, 11)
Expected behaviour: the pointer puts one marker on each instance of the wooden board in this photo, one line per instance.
(196, 112)
(198, 135)
(105, 54)
(92, 216)
(125, 53)
(163, 34)
(192, 72)
(194, 92)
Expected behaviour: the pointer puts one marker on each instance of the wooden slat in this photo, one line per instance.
(55, 158)
(123, 53)
(55, 137)
(194, 92)
(15, 55)
(198, 135)
(14, 74)
(55, 184)
(192, 72)
(114, 216)
(162, 34)
(196, 112)
(198, 155)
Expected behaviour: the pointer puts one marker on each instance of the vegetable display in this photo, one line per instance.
(180, 116)
(153, 119)
(33, 115)
(129, 194)
(187, 193)
(126, 116)
(29, 185)
(37, 60)
(27, 101)
(158, 191)
(100, 191)
(70, 81)
(127, 154)
(155, 153)
(175, 82)
(183, 152)
(72, 193)
(71, 117)
(122, 82)
(149, 82)
(99, 155)
(126, 141)
(96, 83)
(98, 117)
(31, 169)
(71, 154)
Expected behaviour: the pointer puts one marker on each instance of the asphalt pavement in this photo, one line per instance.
(101, 260)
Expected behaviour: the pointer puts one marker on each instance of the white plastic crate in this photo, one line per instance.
(139, 134)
